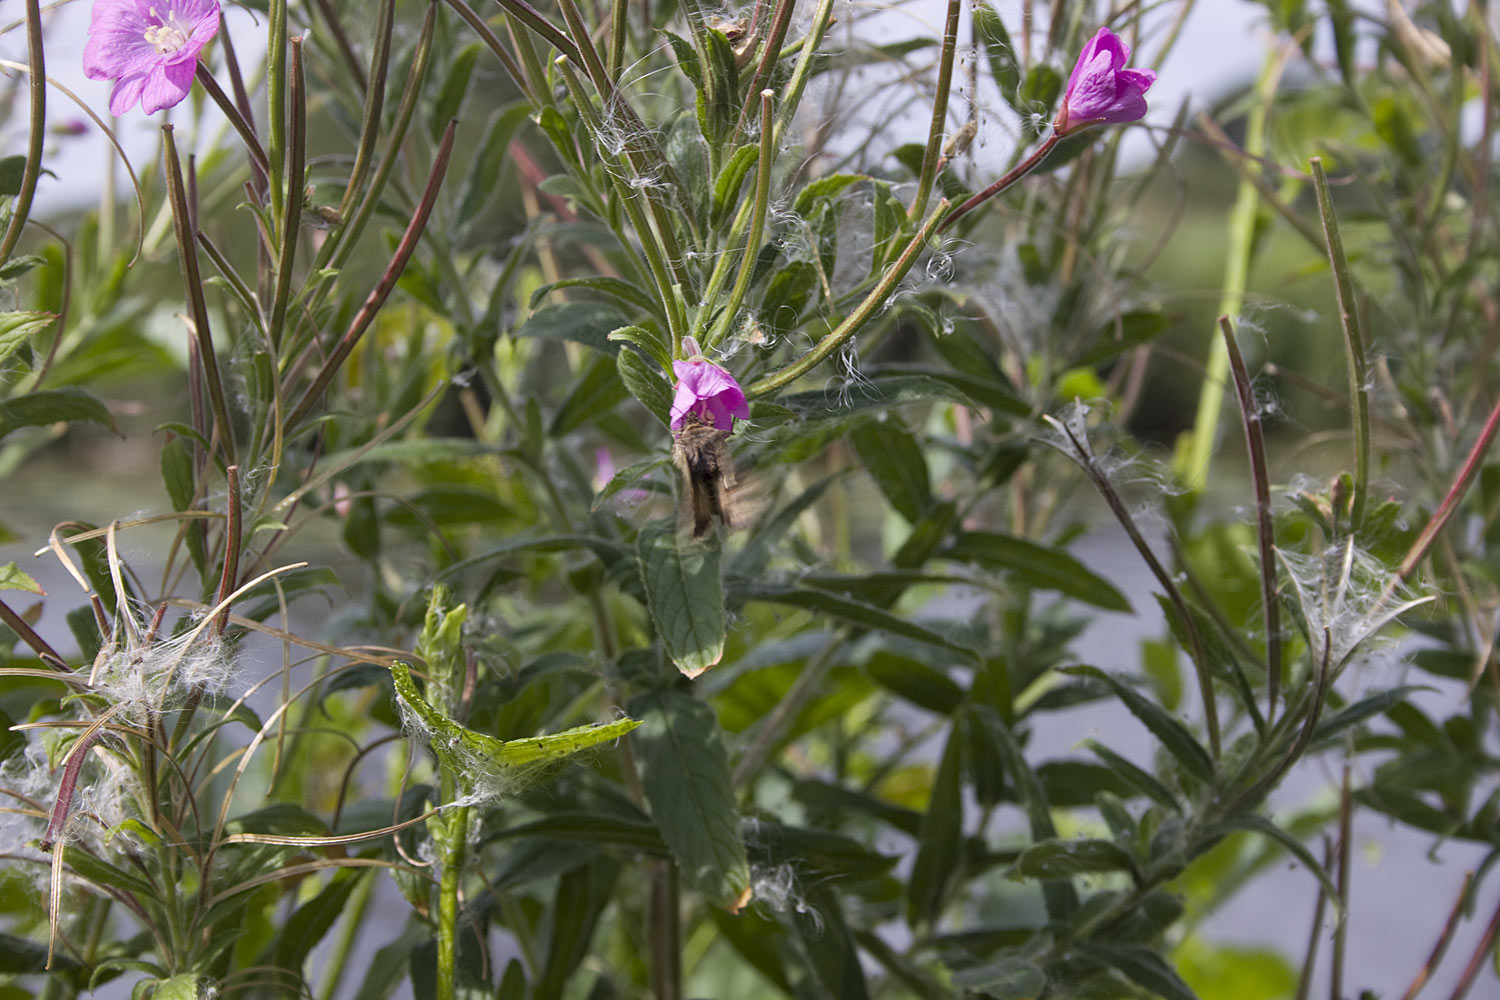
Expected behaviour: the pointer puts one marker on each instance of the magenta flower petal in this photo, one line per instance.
(149, 48)
(708, 392)
(1101, 88)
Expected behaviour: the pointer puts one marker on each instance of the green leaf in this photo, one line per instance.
(936, 870)
(824, 187)
(177, 473)
(594, 392)
(20, 957)
(645, 384)
(484, 169)
(1143, 967)
(846, 609)
(1134, 776)
(188, 986)
(16, 329)
(897, 464)
(1037, 566)
(102, 873)
(12, 577)
(311, 921)
(650, 341)
(1122, 333)
(615, 288)
(1054, 859)
(685, 773)
(787, 294)
(1363, 709)
(964, 387)
(919, 683)
(581, 897)
(720, 105)
(731, 178)
(12, 172)
(1173, 734)
(685, 592)
(1008, 978)
(587, 323)
(457, 746)
(51, 406)
(450, 96)
(1004, 67)
(1256, 823)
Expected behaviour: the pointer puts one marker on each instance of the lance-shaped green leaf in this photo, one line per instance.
(1059, 858)
(896, 463)
(458, 746)
(1038, 566)
(52, 406)
(940, 841)
(685, 592)
(1143, 967)
(645, 384)
(847, 609)
(1009, 978)
(13, 577)
(16, 329)
(685, 773)
(1173, 734)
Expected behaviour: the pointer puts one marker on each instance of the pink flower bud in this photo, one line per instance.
(1101, 89)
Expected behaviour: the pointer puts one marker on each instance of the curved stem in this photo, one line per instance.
(38, 126)
(1020, 170)
(939, 115)
(874, 302)
(757, 225)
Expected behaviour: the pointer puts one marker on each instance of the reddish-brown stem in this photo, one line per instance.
(1020, 170)
(28, 635)
(231, 570)
(383, 287)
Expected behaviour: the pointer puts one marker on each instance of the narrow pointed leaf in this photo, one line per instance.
(1037, 566)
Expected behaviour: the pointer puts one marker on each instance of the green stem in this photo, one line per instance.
(291, 219)
(928, 174)
(37, 89)
(241, 126)
(769, 56)
(452, 842)
(1192, 460)
(863, 313)
(757, 226)
(1020, 170)
(1354, 345)
(369, 129)
(792, 95)
(276, 101)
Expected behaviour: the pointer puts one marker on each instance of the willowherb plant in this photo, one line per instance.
(448, 264)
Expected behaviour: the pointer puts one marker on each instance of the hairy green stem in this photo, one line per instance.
(369, 129)
(757, 226)
(936, 128)
(291, 219)
(276, 101)
(873, 303)
(770, 54)
(1356, 357)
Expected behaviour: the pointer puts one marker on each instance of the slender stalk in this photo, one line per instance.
(786, 710)
(656, 254)
(1478, 959)
(1315, 933)
(1440, 948)
(1354, 345)
(1255, 446)
(341, 41)
(232, 541)
(863, 313)
(451, 847)
(291, 219)
(1341, 928)
(276, 100)
(37, 91)
(619, 27)
(549, 32)
(28, 635)
(935, 129)
(241, 125)
(791, 95)
(187, 254)
(382, 289)
(757, 227)
(666, 932)
(492, 41)
(1081, 453)
(1192, 463)
(369, 129)
(1020, 170)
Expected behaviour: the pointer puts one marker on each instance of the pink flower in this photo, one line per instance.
(708, 392)
(149, 48)
(1101, 89)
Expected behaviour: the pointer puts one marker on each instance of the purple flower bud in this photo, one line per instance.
(149, 48)
(1101, 89)
(709, 393)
